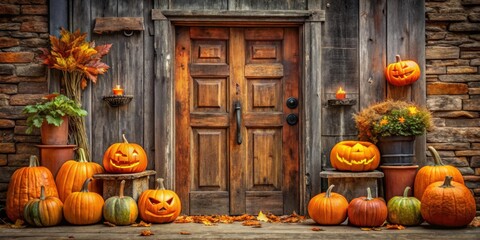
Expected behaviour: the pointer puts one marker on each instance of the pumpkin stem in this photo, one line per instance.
(33, 161)
(436, 156)
(85, 185)
(405, 192)
(81, 155)
(122, 187)
(160, 185)
(397, 58)
(448, 182)
(369, 194)
(124, 138)
(329, 191)
(42, 193)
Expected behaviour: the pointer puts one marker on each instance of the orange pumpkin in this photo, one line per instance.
(328, 208)
(84, 207)
(72, 175)
(367, 211)
(402, 73)
(125, 158)
(25, 185)
(430, 174)
(448, 203)
(355, 156)
(159, 205)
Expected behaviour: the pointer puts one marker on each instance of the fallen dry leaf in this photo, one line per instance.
(377, 229)
(185, 233)
(146, 233)
(184, 219)
(395, 227)
(109, 224)
(316, 229)
(141, 224)
(366, 229)
(261, 217)
(18, 224)
(252, 223)
(475, 222)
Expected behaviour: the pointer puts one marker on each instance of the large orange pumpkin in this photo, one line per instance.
(328, 208)
(430, 174)
(355, 156)
(402, 73)
(25, 184)
(159, 205)
(72, 175)
(125, 158)
(448, 203)
(367, 211)
(84, 207)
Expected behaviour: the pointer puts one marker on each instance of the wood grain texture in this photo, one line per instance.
(115, 24)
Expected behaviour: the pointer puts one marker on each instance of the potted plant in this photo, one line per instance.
(51, 116)
(393, 125)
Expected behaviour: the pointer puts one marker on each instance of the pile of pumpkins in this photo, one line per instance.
(35, 196)
(440, 196)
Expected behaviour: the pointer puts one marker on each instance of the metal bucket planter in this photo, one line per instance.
(396, 150)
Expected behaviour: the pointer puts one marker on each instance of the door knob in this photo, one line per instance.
(292, 103)
(292, 119)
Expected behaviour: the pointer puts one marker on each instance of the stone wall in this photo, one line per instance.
(23, 29)
(453, 84)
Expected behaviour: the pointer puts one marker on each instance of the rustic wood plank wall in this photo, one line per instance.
(131, 65)
(349, 49)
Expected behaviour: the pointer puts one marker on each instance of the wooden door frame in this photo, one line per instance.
(309, 24)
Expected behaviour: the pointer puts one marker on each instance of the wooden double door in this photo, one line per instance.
(236, 120)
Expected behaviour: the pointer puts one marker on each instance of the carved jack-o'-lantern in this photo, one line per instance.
(125, 158)
(402, 73)
(159, 205)
(355, 156)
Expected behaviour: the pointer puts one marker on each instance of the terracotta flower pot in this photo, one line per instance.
(54, 156)
(397, 178)
(53, 135)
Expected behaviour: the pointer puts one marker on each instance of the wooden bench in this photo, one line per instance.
(353, 184)
(135, 183)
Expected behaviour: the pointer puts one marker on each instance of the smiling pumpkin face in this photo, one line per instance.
(125, 158)
(402, 73)
(159, 205)
(355, 156)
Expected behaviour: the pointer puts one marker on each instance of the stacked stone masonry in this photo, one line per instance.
(452, 74)
(23, 30)
(453, 84)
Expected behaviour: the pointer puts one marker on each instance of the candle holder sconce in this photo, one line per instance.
(117, 100)
(342, 102)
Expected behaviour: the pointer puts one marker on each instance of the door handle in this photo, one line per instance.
(238, 115)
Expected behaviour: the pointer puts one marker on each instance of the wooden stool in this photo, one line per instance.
(353, 184)
(135, 183)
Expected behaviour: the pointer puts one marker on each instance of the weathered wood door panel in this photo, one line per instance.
(235, 152)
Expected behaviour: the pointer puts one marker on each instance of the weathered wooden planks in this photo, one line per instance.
(115, 24)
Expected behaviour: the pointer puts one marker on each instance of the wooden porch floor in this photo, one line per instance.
(235, 231)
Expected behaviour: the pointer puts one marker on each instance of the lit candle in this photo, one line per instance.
(340, 94)
(118, 90)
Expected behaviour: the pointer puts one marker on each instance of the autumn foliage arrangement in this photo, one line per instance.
(392, 118)
(80, 61)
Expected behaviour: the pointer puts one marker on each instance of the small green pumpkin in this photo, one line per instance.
(120, 210)
(43, 211)
(404, 210)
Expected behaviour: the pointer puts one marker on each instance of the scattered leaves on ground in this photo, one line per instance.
(109, 224)
(211, 220)
(141, 224)
(395, 227)
(371, 229)
(316, 229)
(185, 233)
(146, 233)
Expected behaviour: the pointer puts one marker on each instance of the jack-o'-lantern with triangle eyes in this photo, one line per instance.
(125, 158)
(355, 156)
(159, 205)
(402, 73)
